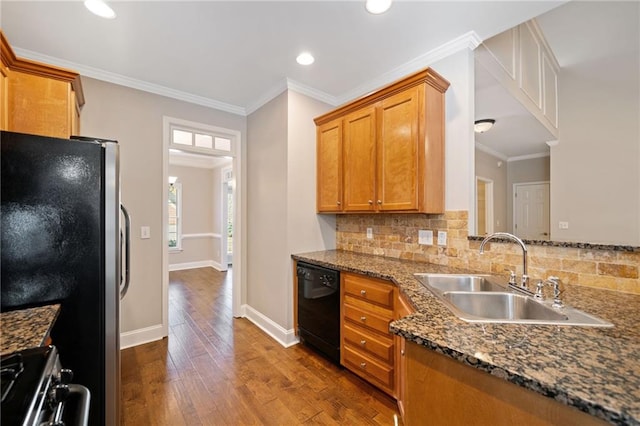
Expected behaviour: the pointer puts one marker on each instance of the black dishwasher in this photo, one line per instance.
(319, 309)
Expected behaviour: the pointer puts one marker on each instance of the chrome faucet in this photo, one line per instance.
(524, 283)
(555, 283)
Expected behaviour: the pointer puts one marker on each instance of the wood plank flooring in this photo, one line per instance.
(214, 369)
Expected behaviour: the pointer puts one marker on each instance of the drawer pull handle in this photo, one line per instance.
(363, 319)
(363, 342)
(363, 365)
(363, 292)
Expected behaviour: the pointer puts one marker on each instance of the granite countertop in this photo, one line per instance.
(26, 328)
(596, 370)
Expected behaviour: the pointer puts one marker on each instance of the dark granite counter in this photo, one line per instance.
(26, 328)
(596, 370)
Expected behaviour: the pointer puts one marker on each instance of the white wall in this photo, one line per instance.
(281, 212)
(267, 262)
(134, 118)
(595, 168)
(458, 69)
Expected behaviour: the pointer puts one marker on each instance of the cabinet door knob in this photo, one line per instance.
(363, 342)
(363, 319)
(370, 202)
(379, 201)
(363, 365)
(339, 203)
(363, 292)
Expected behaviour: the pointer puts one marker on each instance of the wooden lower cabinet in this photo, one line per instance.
(367, 347)
(443, 391)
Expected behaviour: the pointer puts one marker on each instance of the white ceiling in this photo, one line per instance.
(235, 55)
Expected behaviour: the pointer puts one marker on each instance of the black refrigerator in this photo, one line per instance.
(61, 242)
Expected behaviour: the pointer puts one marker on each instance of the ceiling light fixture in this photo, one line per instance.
(100, 8)
(481, 126)
(305, 58)
(377, 6)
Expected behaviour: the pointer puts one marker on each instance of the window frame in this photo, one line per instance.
(178, 246)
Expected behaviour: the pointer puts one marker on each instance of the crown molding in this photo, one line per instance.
(133, 83)
(490, 151)
(312, 93)
(469, 41)
(529, 156)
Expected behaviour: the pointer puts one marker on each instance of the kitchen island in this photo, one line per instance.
(596, 370)
(26, 328)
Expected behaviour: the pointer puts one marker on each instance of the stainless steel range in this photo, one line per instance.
(37, 391)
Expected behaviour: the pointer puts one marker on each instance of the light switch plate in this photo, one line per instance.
(145, 232)
(425, 237)
(563, 225)
(442, 238)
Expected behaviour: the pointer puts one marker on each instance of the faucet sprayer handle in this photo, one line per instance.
(512, 276)
(555, 282)
(539, 286)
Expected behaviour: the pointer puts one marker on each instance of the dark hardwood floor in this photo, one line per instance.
(214, 369)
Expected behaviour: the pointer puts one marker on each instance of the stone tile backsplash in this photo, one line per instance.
(396, 236)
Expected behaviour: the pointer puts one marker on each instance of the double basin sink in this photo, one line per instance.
(482, 299)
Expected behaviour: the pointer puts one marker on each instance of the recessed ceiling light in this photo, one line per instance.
(377, 6)
(305, 58)
(100, 8)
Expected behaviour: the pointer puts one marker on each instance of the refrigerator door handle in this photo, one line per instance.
(127, 258)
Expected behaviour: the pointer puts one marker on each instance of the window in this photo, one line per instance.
(201, 141)
(175, 213)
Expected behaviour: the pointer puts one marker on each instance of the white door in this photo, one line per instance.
(531, 210)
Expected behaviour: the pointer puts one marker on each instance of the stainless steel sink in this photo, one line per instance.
(480, 298)
(459, 282)
(501, 306)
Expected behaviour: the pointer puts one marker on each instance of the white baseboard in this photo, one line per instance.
(194, 265)
(285, 337)
(141, 336)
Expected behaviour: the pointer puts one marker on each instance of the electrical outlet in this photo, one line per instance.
(442, 238)
(369, 233)
(425, 237)
(145, 232)
(563, 225)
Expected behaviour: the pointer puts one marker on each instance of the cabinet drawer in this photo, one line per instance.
(365, 288)
(375, 372)
(367, 319)
(369, 342)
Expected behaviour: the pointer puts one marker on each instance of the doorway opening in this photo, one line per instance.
(484, 206)
(199, 145)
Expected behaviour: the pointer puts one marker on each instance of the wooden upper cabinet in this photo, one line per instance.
(393, 148)
(37, 98)
(329, 167)
(359, 160)
(399, 150)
